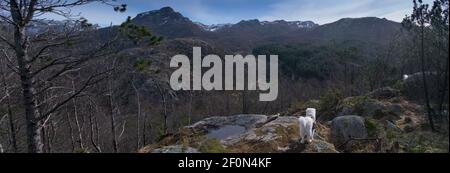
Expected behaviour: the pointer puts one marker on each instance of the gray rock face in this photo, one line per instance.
(368, 107)
(247, 121)
(346, 127)
(316, 146)
(371, 108)
(275, 134)
(320, 146)
(175, 149)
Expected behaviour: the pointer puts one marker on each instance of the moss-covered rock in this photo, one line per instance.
(368, 107)
(384, 93)
(212, 146)
(316, 146)
(353, 105)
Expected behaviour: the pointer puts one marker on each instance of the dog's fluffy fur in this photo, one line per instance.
(306, 129)
(311, 112)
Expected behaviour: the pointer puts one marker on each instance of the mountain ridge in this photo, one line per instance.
(243, 36)
(170, 12)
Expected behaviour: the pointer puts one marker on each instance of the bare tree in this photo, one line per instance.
(428, 25)
(138, 115)
(12, 132)
(29, 52)
(164, 102)
(112, 111)
(76, 115)
(93, 127)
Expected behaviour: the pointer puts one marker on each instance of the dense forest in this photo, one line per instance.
(72, 86)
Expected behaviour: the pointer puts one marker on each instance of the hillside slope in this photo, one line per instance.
(381, 121)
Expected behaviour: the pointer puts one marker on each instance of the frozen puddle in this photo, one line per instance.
(225, 132)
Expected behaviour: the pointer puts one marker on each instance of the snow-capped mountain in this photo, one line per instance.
(292, 24)
(213, 27)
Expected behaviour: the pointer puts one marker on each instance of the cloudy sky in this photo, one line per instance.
(232, 11)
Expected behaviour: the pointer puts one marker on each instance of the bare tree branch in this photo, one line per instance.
(6, 41)
(90, 81)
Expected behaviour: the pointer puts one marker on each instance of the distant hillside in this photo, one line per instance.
(367, 29)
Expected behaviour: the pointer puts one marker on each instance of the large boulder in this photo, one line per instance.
(347, 127)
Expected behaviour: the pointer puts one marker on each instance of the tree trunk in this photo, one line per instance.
(191, 95)
(32, 114)
(77, 122)
(92, 133)
(138, 116)
(424, 78)
(144, 130)
(444, 84)
(165, 116)
(111, 116)
(72, 140)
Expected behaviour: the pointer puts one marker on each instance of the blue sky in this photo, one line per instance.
(232, 11)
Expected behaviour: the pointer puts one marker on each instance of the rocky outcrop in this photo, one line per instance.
(381, 121)
(344, 128)
(366, 106)
(274, 136)
(242, 134)
(175, 149)
(316, 146)
(247, 121)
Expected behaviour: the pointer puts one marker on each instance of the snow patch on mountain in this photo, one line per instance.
(297, 24)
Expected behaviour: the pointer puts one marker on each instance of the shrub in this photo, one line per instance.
(299, 107)
(371, 127)
(328, 104)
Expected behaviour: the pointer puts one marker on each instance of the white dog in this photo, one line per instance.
(306, 129)
(311, 112)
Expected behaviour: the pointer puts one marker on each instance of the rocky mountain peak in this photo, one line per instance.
(164, 15)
